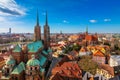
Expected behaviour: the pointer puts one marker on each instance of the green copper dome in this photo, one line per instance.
(33, 61)
(10, 60)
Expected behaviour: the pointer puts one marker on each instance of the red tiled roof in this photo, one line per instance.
(1, 59)
(107, 68)
(98, 53)
(65, 59)
(68, 69)
(91, 38)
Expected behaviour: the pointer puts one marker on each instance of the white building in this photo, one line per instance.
(114, 60)
(84, 53)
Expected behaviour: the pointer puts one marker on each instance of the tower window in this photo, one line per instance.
(16, 78)
(35, 68)
(7, 70)
(30, 73)
(30, 68)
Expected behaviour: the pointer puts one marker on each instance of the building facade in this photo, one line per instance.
(30, 61)
(114, 60)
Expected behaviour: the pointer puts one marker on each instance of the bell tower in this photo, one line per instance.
(37, 29)
(46, 34)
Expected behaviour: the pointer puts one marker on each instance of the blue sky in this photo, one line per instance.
(68, 16)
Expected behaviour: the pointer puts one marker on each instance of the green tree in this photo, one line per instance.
(87, 64)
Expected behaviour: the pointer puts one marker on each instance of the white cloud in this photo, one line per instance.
(9, 10)
(93, 21)
(10, 7)
(65, 21)
(107, 20)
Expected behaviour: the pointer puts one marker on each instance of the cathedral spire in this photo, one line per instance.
(37, 29)
(37, 17)
(46, 23)
(87, 29)
(46, 34)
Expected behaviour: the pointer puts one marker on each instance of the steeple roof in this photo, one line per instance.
(87, 29)
(46, 23)
(19, 68)
(10, 60)
(37, 17)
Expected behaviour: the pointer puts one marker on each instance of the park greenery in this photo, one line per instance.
(87, 64)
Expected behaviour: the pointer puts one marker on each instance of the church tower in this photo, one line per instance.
(46, 34)
(37, 29)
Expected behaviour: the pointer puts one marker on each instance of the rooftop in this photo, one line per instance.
(19, 68)
(17, 48)
(68, 69)
(35, 46)
(115, 57)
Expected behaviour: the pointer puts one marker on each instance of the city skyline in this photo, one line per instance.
(68, 16)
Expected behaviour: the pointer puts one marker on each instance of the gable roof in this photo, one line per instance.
(68, 69)
(83, 49)
(10, 60)
(35, 46)
(19, 68)
(107, 68)
(98, 53)
(17, 48)
(91, 38)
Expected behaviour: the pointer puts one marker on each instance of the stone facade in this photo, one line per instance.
(22, 65)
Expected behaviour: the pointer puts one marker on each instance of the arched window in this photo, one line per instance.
(30, 73)
(35, 68)
(12, 78)
(16, 78)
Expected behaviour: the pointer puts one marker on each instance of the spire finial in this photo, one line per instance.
(46, 19)
(37, 18)
(87, 29)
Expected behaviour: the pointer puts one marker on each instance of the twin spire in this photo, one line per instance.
(37, 18)
(46, 22)
(46, 19)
